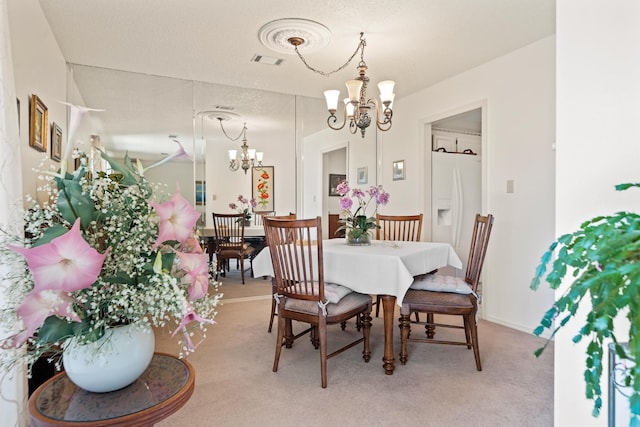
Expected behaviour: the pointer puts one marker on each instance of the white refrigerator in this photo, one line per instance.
(456, 187)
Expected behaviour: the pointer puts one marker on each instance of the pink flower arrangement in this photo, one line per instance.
(104, 254)
(357, 223)
(244, 206)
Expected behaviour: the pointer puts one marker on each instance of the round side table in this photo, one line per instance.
(160, 391)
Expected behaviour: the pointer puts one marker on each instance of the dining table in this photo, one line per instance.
(251, 233)
(385, 268)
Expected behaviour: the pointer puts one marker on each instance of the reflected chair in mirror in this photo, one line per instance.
(230, 243)
(302, 294)
(448, 295)
(405, 228)
(273, 282)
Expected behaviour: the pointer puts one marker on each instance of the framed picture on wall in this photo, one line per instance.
(398, 170)
(362, 175)
(201, 193)
(38, 124)
(334, 181)
(262, 188)
(56, 142)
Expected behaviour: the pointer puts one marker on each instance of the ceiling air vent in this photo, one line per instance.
(269, 60)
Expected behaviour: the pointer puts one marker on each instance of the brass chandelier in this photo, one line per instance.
(359, 111)
(248, 157)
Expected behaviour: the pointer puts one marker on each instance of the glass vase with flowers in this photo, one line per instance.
(357, 224)
(243, 206)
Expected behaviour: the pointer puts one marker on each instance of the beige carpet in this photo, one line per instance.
(439, 386)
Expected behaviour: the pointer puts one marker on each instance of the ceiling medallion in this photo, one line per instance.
(275, 35)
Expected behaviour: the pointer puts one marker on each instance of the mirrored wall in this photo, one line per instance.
(145, 115)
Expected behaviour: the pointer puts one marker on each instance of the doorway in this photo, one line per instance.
(334, 164)
(453, 181)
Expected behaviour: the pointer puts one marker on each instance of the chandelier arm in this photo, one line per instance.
(360, 48)
(382, 127)
(386, 113)
(334, 119)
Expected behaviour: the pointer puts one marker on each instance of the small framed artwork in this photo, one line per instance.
(398, 170)
(262, 188)
(56, 142)
(201, 192)
(334, 181)
(362, 175)
(38, 124)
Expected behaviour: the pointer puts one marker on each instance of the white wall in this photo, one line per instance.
(598, 146)
(518, 91)
(40, 69)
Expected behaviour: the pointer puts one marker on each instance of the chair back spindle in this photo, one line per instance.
(406, 228)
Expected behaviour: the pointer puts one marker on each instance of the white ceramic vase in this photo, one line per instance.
(113, 362)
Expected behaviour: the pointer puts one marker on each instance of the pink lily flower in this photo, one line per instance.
(180, 153)
(34, 310)
(67, 263)
(191, 316)
(177, 219)
(196, 267)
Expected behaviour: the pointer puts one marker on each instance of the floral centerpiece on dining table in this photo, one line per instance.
(357, 224)
(243, 205)
(107, 249)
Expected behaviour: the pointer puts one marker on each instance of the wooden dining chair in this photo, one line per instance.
(273, 283)
(405, 228)
(304, 296)
(439, 294)
(230, 243)
(259, 215)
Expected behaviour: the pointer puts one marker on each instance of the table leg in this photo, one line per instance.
(388, 309)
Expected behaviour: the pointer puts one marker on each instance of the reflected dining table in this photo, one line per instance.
(208, 235)
(384, 268)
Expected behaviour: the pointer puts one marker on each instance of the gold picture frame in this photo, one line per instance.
(56, 142)
(38, 124)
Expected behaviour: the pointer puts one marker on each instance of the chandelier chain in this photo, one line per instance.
(360, 48)
(242, 132)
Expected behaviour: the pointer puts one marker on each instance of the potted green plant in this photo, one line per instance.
(602, 260)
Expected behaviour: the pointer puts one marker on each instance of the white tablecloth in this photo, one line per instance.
(384, 267)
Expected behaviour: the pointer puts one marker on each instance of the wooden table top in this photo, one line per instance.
(161, 390)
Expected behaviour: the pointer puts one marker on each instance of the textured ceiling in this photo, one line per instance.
(414, 42)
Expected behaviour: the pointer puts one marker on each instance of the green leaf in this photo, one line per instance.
(634, 403)
(50, 234)
(54, 329)
(73, 203)
(622, 187)
(129, 176)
